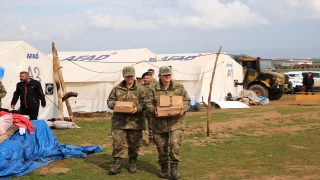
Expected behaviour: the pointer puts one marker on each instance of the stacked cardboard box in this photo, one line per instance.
(169, 106)
(123, 107)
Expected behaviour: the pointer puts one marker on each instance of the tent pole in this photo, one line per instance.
(56, 78)
(63, 87)
(209, 98)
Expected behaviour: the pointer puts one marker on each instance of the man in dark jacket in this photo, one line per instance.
(30, 93)
(308, 82)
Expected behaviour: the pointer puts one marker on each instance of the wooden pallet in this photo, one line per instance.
(8, 134)
(306, 97)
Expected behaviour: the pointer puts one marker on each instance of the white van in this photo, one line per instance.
(297, 76)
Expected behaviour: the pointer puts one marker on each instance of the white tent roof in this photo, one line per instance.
(99, 66)
(194, 71)
(93, 74)
(17, 56)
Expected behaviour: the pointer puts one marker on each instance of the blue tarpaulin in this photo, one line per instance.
(21, 154)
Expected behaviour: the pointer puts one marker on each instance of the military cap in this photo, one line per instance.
(128, 71)
(164, 70)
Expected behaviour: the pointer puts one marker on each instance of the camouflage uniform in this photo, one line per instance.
(149, 116)
(127, 127)
(154, 81)
(3, 92)
(168, 132)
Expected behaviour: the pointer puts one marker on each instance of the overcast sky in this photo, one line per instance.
(265, 28)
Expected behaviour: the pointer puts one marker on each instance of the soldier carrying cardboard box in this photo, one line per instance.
(126, 126)
(168, 131)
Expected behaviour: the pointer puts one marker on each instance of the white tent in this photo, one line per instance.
(194, 71)
(17, 56)
(93, 74)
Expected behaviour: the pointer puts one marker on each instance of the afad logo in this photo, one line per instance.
(229, 64)
(32, 56)
(174, 58)
(87, 58)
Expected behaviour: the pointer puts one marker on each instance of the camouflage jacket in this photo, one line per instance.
(147, 85)
(134, 94)
(155, 81)
(3, 92)
(161, 125)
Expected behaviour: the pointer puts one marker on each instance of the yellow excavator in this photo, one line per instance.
(261, 77)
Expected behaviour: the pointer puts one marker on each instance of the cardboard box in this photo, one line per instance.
(172, 111)
(167, 101)
(123, 107)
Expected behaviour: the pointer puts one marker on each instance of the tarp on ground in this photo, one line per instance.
(21, 154)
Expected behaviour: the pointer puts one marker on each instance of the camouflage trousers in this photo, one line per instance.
(121, 137)
(149, 118)
(164, 141)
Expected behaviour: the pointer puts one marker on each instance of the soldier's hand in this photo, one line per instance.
(134, 110)
(182, 111)
(156, 111)
(12, 106)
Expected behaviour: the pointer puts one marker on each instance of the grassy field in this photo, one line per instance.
(276, 141)
(290, 70)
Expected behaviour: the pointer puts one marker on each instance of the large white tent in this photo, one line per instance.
(93, 74)
(194, 71)
(17, 56)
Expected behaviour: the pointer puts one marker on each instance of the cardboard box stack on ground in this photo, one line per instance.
(169, 106)
(123, 107)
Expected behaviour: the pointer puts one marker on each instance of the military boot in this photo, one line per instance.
(164, 171)
(174, 170)
(132, 164)
(116, 168)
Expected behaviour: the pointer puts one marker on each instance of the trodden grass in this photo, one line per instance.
(282, 146)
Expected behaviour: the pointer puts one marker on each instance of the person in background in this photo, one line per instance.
(154, 80)
(168, 132)
(139, 80)
(230, 97)
(31, 96)
(147, 82)
(3, 92)
(126, 127)
(308, 82)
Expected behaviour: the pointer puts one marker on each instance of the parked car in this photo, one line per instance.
(297, 77)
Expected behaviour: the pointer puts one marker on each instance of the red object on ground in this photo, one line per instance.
(20, 121)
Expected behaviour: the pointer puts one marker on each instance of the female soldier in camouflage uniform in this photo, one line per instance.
(127, 127)
(168, 132)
